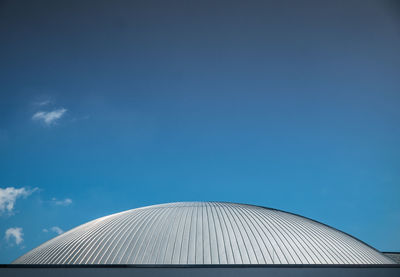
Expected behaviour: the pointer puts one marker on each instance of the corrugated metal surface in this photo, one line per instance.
(395, 256)
(203, 233)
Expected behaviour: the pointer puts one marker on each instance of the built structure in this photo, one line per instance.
(206, 238)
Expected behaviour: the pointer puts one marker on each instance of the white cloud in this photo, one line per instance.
(15, 233)
(42, 103)
(8, 197)
(54, 229)
(49, 118)
(57, 230)
(65, 202)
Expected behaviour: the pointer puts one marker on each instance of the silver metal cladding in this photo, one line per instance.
(203, 233)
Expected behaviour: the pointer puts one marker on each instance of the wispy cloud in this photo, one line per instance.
(16, 234)
(54, 229)
(65, 202)
(57, 230)
(42, 103)
(8, 197)
(50, 117)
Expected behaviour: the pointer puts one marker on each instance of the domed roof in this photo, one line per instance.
(203, 233)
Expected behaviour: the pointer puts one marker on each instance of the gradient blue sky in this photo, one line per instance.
(287, 104)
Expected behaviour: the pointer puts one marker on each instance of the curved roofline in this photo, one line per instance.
(264, 207)
(193, 203)
(316, 222)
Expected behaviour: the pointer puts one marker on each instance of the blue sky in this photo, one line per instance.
(111, 105)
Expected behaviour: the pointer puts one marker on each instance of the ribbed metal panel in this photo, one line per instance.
(203, 233)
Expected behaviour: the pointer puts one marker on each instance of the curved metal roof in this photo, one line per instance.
(203, 233)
